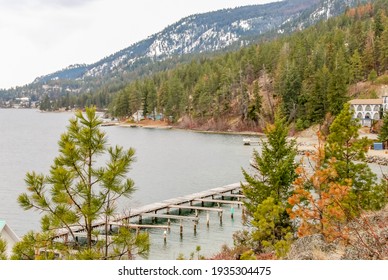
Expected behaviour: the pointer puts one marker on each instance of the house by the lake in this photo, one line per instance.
(368, 110)
(9, 236)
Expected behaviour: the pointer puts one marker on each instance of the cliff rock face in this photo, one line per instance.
(368, 240)
(314, 247)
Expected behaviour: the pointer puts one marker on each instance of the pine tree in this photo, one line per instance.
(337, 88)
(317, 106)
(356, 71)
(383, 48)
(3, 248)
(255, 107)
(275, 167)
(267, 191)
(349, 151)
(383, 135)
(79, 192)
(273, 231)
(319, 201)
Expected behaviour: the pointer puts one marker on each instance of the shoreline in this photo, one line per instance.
(305, 143)
(165, 126)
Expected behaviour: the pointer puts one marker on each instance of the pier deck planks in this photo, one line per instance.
(178, 202)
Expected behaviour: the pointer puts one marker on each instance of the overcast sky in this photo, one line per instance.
(38, 37)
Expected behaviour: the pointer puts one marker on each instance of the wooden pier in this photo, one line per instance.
(161, 210)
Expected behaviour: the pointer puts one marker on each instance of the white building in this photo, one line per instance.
(138, 116)
(368, 110)
(9, 236)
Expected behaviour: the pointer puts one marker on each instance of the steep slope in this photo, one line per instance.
(200, 33)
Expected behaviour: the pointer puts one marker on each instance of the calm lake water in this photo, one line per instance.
(169, 163)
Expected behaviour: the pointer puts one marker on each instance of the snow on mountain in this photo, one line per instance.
(208, 32)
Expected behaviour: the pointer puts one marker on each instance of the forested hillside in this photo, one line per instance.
(199, 35)
(307, 75)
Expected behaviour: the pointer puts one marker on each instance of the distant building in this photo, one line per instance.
(23, 102)
(138, 116)
(368, 110)
(9, 236)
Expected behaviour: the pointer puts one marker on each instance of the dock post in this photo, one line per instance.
(181, 228)
(221, 218)
(243, 214)
(196, 212)
(231, 211)
(207, 219)
(140, 219)
(195, 227)
(165, 237)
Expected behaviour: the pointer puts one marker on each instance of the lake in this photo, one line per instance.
(169, 163)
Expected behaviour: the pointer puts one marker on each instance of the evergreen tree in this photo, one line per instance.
(369, 53)
(275, 167)
(255, 107)
(337, 88)
(79, 192)
(45, 104)
(383, 48)
(349, 151)
(356, 71)
(383, 135)
(267, 191)
(317, 105)
(272, 228)
(3, 248)
(318, 202)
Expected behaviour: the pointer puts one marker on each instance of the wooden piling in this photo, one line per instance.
(177, 203)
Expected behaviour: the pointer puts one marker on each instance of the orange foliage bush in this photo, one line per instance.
(319, 202)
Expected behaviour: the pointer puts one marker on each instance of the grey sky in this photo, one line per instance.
(39, 37)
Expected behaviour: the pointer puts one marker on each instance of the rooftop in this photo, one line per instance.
(376, 101)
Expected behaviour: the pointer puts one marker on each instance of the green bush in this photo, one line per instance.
(382, 80)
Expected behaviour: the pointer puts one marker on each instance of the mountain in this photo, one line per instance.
(201, 33)
(307, 76)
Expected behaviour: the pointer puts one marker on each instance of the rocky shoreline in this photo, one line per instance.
(379, 157)
(380, 160)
